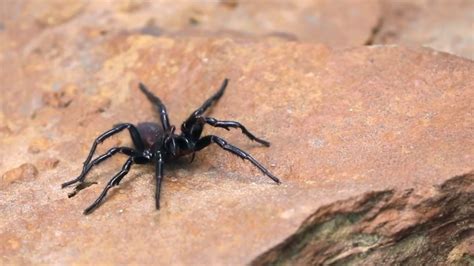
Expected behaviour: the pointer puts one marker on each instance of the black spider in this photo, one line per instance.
(158, 143)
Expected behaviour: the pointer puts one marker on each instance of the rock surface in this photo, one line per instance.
(442, 25)
(23, 172)
(386, 227)
(305, 20)
(374, 145)
(342, 123)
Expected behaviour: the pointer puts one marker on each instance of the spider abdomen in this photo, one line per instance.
(150, 133)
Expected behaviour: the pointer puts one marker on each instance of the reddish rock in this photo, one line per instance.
(55, 12)
(386, 228)
(307, 20)
(39, 144)
(373, 144)
(24, 172)
(47, 163)
(442, 25)
(384, 126)
(4, 128)
(61, 98)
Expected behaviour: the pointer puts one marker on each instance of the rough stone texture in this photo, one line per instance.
(323, 21)
(374, 144)
(343, 123)
(433, 228)
(35, 35)
(443, 25)
(21, 173)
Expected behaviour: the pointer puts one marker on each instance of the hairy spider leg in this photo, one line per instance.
(234, 124)
(159, 106)
(134, 134)
(159, 177)
(192, 129)
(113, 182)
(125, 150)
(209, 139)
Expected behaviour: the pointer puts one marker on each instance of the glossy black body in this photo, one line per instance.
(158, 143)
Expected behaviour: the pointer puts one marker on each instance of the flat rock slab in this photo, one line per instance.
(344, 124)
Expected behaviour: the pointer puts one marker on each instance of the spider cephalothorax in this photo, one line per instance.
(158, 143)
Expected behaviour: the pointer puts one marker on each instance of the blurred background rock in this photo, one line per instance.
(444, 25)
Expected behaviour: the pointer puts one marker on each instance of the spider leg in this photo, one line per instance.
(233, 124)
(160, 107)
(135, 135)
(213, 99)
(113, 182)
(207, 140)
(191, 128)
(159, 177)
(125, 150)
